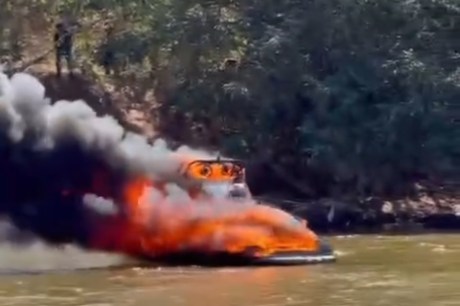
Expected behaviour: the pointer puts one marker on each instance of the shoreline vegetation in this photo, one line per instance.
(347, 114)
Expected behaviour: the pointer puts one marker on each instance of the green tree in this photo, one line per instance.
(357, 97)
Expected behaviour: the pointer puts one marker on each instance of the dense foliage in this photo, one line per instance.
(361, 96)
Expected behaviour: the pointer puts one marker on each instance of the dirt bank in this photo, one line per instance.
(431, 208)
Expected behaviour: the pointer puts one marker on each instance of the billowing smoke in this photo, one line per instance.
(70, 176)
(22, 252)
(62, 167)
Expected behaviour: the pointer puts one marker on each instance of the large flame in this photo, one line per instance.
(154, 226)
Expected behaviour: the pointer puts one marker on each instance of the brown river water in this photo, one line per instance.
(371, 271)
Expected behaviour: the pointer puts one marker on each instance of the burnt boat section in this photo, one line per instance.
(324, 254)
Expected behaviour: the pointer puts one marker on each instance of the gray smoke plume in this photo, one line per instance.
(64, 171)
(62, 166)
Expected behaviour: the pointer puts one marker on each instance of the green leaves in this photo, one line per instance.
(369, 87)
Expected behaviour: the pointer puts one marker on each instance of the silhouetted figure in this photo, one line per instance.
(63, 44)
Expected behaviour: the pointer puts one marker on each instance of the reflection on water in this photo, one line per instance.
(372, 270)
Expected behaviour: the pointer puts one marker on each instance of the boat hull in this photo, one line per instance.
(221, 259)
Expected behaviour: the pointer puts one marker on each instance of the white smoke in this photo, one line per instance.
(22, 251)
(8, 232)
(25, 109)
(100, 204)
(10, 120)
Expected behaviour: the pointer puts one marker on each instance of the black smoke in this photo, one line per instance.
(62, 168)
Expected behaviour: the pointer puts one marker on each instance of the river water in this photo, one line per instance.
(371, 271)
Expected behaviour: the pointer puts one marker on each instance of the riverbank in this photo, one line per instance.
(421, 214)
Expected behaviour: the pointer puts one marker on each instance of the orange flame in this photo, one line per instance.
(212, 171)
(164, 226)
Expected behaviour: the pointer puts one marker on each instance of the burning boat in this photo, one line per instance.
(108, 189)
(222, 224)
(215, 179)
